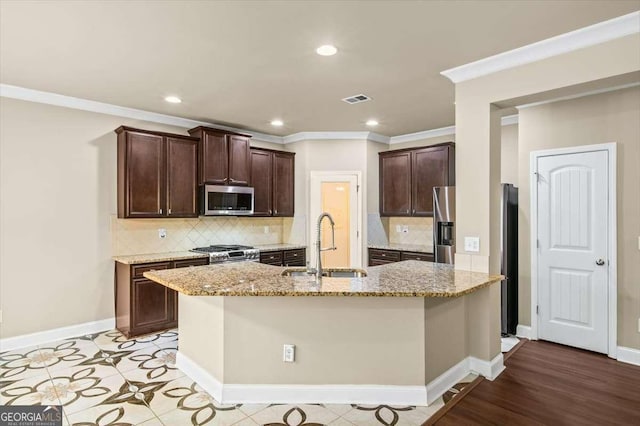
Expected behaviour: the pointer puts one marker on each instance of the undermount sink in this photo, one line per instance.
(334, 273)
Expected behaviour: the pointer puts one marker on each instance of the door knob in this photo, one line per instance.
(600, 262)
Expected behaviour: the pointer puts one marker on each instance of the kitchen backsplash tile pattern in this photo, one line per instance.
(420, 230)
(140, 236)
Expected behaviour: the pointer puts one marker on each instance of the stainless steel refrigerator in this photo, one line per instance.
(444, 214)
(509, 259)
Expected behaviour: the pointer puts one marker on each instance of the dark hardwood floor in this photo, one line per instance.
(550, 384)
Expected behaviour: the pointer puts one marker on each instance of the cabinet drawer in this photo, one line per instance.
(271, 257)
(138, 270)
(190, 262)
(388, 255)
(294, 254)
(376, 262)
(409, 255)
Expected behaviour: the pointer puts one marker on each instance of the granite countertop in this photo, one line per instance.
(410, 278)
(158, 257)
(283, 246)
(418, 248)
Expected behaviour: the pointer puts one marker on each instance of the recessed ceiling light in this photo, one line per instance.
(173, 99)
(372, 122)
(326, 50)
(277, 123)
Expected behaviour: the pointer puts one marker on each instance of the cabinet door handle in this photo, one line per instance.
(276, 211)
(270, 211)
(169, 211)
(407, 211)
(414, 211)
(383, 255)
(160, 211)
(232, 180)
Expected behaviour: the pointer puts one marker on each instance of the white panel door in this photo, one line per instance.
(573, 267)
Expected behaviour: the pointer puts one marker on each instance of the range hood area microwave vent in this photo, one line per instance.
(356, 99)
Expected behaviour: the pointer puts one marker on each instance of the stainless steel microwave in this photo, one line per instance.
(218, 200)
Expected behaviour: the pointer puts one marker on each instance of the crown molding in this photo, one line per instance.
(584, 37)
(425, 134)
(31, 95)
(316, 136)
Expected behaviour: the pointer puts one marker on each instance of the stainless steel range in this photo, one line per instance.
(230, 253)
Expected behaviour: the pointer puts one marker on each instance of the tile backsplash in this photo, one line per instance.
(140, 236)
(420, 230)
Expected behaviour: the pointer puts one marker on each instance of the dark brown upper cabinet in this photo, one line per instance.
(156, 174)
(395, 183)
(224, 157)
(272, 177)
(407, 178)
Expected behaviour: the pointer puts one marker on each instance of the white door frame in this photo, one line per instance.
(610, 148)
(312, 221)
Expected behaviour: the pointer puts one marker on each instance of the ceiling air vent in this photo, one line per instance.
(356, 99)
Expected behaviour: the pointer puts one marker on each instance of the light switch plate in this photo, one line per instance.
(289, 353)
(398, 228)
(472, 244)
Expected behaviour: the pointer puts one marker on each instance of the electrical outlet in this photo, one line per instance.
(472, 244)
(266, 229)
(398, 228)
(162, 233)
(638, 321)
(289, 353)
(405, 229)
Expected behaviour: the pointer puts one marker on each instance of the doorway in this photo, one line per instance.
(573, 234)
(337, 193)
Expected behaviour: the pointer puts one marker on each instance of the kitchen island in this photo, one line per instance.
(403, 334)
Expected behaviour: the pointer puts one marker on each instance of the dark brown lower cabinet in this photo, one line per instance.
(294, 257)
(144, 306)
(382, 257)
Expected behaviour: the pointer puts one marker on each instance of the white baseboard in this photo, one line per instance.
(325, 394)
(337, 394)
(42, 337)
(523, 331)
(489, 369)
(629, 355)
(438, 386)
(199, 375)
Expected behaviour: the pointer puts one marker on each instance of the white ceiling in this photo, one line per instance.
(244, 63)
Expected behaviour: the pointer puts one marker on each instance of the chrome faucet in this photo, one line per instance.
(319, 248)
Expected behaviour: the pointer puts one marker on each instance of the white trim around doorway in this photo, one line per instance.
(612, 240)
(357, 262)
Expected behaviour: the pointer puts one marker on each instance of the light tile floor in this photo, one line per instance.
(105, 379)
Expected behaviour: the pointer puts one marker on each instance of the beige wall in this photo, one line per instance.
(509, 155)
(391, 340)
(58, 201)
(478, 148)
(603, 118)
(58, 188)
(325, 155)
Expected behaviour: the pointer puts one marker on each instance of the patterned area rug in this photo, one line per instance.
(104, 379)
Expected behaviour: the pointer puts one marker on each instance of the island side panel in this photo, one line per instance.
(445, 334)
(339, 340)
(201, 331)
(483, 323)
